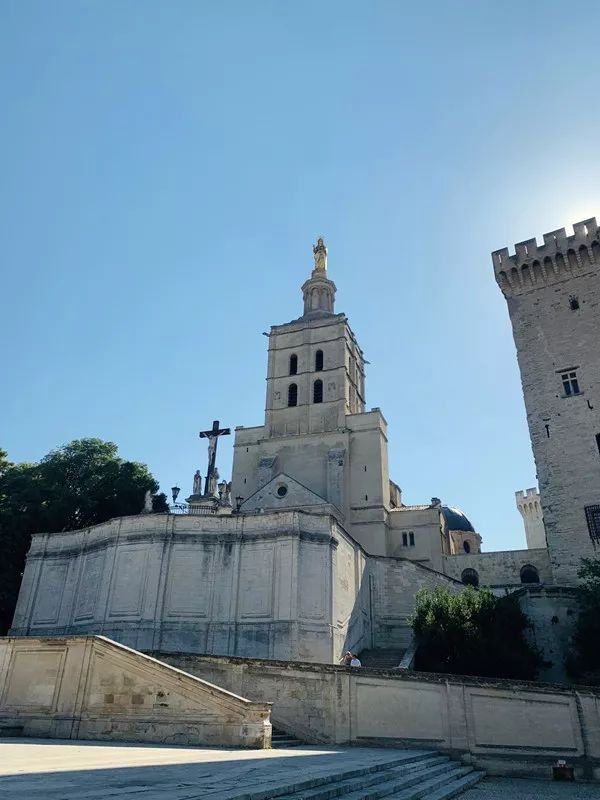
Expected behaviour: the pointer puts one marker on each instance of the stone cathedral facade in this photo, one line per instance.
(320, 553)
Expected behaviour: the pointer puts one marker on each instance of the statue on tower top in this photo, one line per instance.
(320, 256)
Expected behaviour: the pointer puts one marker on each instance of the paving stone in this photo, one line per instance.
(37, 769)
(524, 789)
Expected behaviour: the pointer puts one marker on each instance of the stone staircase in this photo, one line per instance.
(381, 659)
(281, 739)
(407, 775)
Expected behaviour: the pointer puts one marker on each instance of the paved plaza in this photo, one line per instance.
(522, 789)
(42, 769)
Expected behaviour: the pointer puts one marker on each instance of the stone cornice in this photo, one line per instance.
(191, 537)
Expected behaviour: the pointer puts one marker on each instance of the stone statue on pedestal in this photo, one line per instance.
(147, 509)
(197, 483)
(225, 493)
(320, 256)
(212, 483)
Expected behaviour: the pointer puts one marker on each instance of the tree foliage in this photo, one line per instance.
(473, 633)
(584, 661)
(80, 484)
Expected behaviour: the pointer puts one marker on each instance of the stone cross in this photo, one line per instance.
(212, 435)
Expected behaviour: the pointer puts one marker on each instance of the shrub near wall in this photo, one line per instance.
(473, 633)
(584, 661)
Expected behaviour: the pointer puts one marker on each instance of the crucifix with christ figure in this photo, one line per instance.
(212, 435)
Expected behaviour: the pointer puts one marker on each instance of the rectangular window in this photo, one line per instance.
(404, 540)
(411, 538)
(592, 514)
(598, 441)
(570, 383)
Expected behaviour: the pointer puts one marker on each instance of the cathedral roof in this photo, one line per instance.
(456, 520)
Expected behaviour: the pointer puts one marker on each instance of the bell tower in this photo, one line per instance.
(318, 447)
(315, 373)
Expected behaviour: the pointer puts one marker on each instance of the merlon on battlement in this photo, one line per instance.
(528, 494)
(558, 257)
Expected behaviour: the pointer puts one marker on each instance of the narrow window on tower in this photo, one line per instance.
(318, 391)
(292, 395)
(293, 364)
(318, 361)
(404, 540)
(411, 538)
(598, 441)
(570, 383)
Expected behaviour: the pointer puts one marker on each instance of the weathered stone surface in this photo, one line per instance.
(505, 727)
(93, 688)
(287, 584)
(553, 297)
(500, 569)
(94, 771)
(552, 612)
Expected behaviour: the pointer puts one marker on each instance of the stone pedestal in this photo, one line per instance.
(202, 504)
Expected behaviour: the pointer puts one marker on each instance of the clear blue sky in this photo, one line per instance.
(166, 166)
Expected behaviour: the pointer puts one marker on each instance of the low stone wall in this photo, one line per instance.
(93, 688)
(505, 727)
(500, 569)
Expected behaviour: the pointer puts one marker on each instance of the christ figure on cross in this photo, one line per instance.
(212, 435)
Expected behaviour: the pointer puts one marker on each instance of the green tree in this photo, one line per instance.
(80, 484)
(473, 633)
(584, 661)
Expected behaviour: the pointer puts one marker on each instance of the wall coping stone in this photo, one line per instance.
(392, 674)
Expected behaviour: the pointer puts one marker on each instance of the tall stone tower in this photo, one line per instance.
(530, 508)
(315, 374)
(553, 296)
(318, 447)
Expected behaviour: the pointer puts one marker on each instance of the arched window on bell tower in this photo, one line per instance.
(318, 361)
(292, 394)
(318, 391)
(293, 364)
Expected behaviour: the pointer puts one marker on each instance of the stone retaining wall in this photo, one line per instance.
(505, 727)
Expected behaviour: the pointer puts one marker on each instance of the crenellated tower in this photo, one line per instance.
(553, 296)
(530, 508)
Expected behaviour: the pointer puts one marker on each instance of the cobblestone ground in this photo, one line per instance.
(523, 789)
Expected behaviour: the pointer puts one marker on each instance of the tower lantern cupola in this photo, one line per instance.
(318, 291)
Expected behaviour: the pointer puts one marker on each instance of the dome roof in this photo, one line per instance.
(456, 520)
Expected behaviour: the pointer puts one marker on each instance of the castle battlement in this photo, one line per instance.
(528, 494)
(559, 257)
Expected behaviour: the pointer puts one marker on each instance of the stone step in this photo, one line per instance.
(403, 758)
(409, 786)
(282, 739)
(453, 788)
(285, 743)
(429, 787)
(383, 783)
(381, 659)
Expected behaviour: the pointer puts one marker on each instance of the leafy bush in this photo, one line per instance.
(584, 661)
(473, 633)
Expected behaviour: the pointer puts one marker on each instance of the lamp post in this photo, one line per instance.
(238, 502)
(175, 492)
